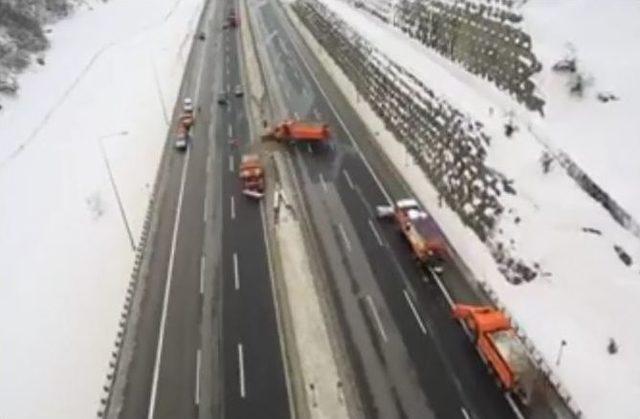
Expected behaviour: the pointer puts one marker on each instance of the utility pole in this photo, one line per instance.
(563, 343)
(115, 187)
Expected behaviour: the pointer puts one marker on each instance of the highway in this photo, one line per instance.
(411, 358)
(207, 341)
(207, 337)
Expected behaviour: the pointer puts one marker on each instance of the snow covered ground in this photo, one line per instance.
(584, 294)
(600, 137)
(111, 78)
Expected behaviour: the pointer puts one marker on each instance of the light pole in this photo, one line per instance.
(114, 187)
(563, 343)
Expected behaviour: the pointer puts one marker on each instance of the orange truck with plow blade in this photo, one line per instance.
(419, 229)
(500, 347)
(297, 131)
(251, 173)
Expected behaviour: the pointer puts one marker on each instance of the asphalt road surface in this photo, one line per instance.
(411, 358)
(207, 340)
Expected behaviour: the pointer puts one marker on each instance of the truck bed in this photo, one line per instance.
(307, 131)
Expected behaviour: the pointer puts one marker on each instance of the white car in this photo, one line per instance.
(238, 91)
(187, 104)
(181, 143)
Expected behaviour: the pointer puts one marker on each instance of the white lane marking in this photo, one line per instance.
(444, 291)
(317, 114)
(202, 269)
(198, 82)
(233, 208)
(375, 232)
(346, 175)
(296, 115)
(323, 183)
(341, 121)
(309, 148)
(344, 236)
(464, 413)
(198, 364)
(236, 275)
(243, 391)
(374, 310)
(231, 164)
(227, 71)
(263, 217)
(205, 209)
(414, 311)
(230, 131)
(167, 289)
(513, 405)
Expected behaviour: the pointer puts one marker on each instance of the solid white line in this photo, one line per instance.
(205, 209)
(375, 232)
(202, 269)
(513, 405)
(233, 208)
(167, 289)
(199, 80)
(339, 118)
(198, 363)
(323, 183)
(243, 392)
(344, 236)
(464, 413)
(414, 311)
(231, 164)
(236, 275)
(230, 131)
(349, 181)
(377, 317)
(277, 308)
(444, 291)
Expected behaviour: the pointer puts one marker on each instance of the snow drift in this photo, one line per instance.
(106, 92)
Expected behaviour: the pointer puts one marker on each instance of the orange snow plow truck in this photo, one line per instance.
(251, 174)
(500, 347)
(297, 131)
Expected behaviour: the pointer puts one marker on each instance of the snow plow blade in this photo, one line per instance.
(253, 194)
(384, 211)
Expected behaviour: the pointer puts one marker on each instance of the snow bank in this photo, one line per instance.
(112, 76)
(601, 137)
(584, 293)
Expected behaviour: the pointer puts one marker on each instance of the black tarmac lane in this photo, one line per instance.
(168, 377)
(443, 364)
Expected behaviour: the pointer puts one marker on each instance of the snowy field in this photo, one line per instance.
(584, 293)
(110, 81)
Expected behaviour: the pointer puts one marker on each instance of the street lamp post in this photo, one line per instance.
(563, 343)
(114, 187)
